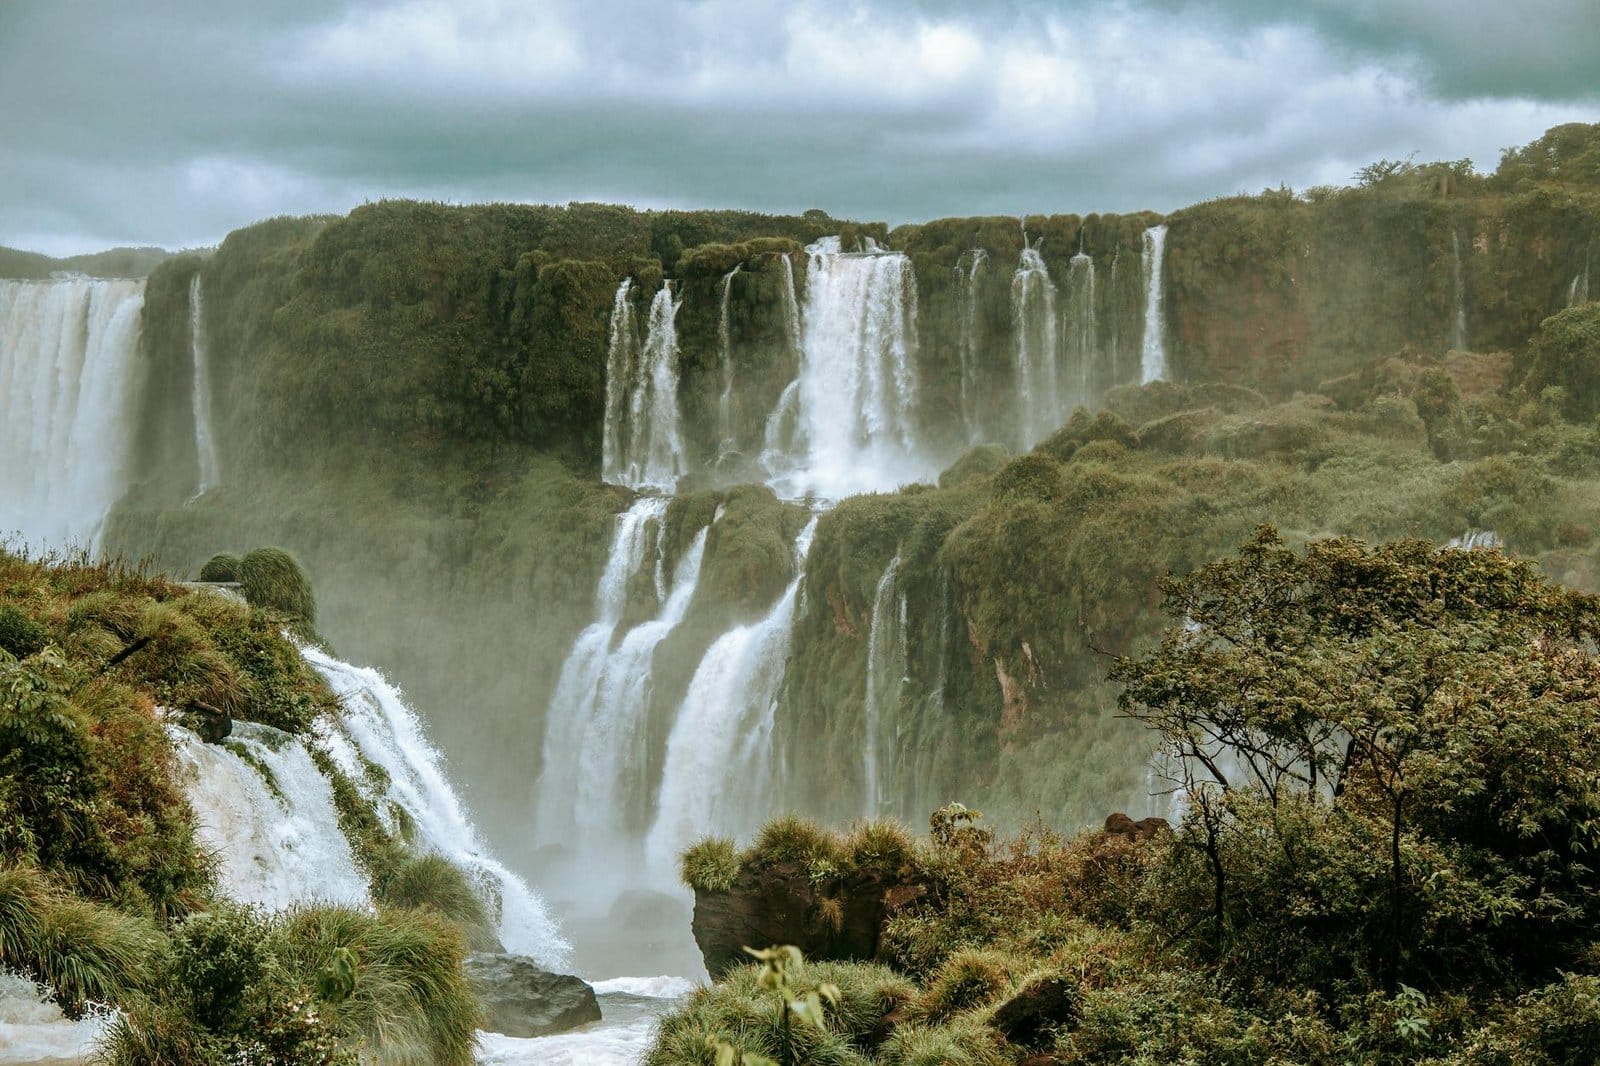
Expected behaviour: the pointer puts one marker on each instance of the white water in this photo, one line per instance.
(1458, 320)
(967, 309)
(725, 434)
(1578, 291)
(274, 848)
(719, 767)
(1083, 339)
(642, 445)
(791, 306)
(205, 442)
(1476, 538)
(1038, 352)
(886, 667)
(630, 1006)
(579, 694)
(70, 386)
(1153, 354)
(33, 1031)
(375, 726)
(855, 404)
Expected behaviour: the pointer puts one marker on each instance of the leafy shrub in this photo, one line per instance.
(710, 864)
(20, 635)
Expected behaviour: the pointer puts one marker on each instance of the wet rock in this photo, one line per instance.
(841, 919)
(519, 998)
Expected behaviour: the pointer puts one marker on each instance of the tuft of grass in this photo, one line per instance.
(411, 1003)
(435, 884)
(791, 838)
(82, 951)
(968, 979)
(711, 864)
(271, 578)
(963, 1043)
(20, 635)
(882, 844)
(221, 567)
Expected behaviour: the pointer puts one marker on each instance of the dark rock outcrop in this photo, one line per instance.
(521, 999)
(1120, 825)
(1028, 1018)
(840, 919)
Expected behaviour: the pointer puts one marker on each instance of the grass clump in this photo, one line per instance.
(433, 883)
(791, 838)
(223, 566)
(711, 864)
(271, 578)
(967, 979)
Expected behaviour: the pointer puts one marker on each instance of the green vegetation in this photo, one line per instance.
(270, 578)
(221, 567)
(105, 895)
(1388, 757)
(710, 865)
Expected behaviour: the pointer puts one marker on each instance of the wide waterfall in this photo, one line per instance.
(1153, 353)
(70, 387)
(967, 310)
(855, 415)
(205, 441)
(642, 445)
(1038, 353)
(886, 668)
(719, 770)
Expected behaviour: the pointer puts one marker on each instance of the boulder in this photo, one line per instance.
(1029, 1018)
(841, 919)
(519, 998)
(1120, 825)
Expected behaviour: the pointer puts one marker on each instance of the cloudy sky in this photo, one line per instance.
(167, 122)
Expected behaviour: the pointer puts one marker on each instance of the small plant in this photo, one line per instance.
(780, 972)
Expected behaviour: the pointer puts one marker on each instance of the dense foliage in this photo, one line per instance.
(1386, 760)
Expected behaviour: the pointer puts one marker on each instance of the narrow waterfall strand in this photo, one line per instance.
(205, 441)
(1153, 358)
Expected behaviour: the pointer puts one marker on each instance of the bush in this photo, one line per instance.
(20, 635)
(791, 838)
(883, 845)
(711, 864)
(432, 883)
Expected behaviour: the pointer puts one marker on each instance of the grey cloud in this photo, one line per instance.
(172, 123)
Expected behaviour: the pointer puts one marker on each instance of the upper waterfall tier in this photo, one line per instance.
(69, 400)
(855, 398)
(643, 442)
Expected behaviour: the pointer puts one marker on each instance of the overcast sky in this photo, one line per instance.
(167, 122)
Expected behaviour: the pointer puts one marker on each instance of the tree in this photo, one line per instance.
(1392, 756)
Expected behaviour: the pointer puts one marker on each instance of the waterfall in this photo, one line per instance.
(375, 728)
(35, 1032)
(1476, 538)
(1033, 320)
(967, 310)
(1082, 334)
(70, 388)
(1458, 320)
(855, 401)
(886, 668)
(725, 431)
(718, 773)
(642, 446)
(205, 444)
(791, 306)
(1578, 291)
(277, 842)
(569, 719)
(1153, 357)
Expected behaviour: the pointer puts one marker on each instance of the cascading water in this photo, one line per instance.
(1578, 291)
(1153, 354)
(967, 309)
(642, 445)
(265, 810)
(1033, 320)
(1083, 338)
(375, 727)
(726, 442)
(791, 307)
(854, 399)
(886, 668)
(205, 442)
(578, 695)
(70, 388)
(1458, 319)
(718, 769)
